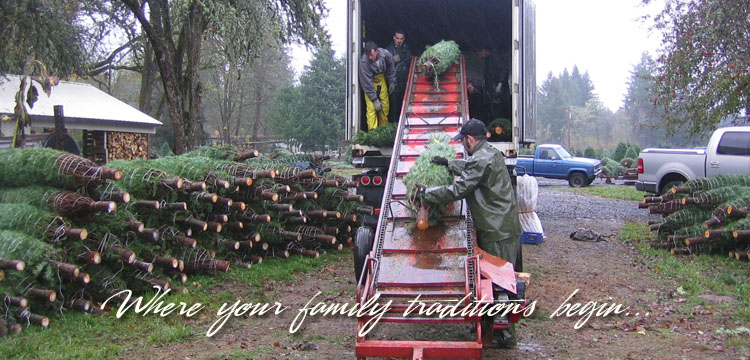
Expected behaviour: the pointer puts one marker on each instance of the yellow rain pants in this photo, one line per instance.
(381, 118)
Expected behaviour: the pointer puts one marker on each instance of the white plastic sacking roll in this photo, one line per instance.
(527, 192)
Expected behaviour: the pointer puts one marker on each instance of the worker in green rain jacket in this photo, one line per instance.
(375, 67)
(485, 184)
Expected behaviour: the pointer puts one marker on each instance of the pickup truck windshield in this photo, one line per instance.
(564, 154)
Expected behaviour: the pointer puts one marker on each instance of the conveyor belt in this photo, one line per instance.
(436, 264)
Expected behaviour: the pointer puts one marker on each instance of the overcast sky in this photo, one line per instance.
(603, 38)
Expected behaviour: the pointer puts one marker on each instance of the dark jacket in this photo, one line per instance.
(485, 184)
(478, 108)
(496, 72)
(368, 69)
(402, 64)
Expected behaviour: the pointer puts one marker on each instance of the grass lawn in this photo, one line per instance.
(697, 274)
(611, 192)
(76, 335)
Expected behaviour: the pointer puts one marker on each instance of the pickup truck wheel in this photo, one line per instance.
(668, 186)
(362, 245)
(577, 180)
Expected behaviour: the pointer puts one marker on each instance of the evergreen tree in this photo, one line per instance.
(591, 124)
(589, 152)
(46, 30)
(620, 151)
(313, 113)
(285, 112)
(557, 96)
(645, 118)
(632, 152)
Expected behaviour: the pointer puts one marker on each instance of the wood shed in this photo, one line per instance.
(112, 129)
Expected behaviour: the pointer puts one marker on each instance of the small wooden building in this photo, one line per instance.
(112, 129)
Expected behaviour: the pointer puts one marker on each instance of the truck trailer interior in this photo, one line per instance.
(472, 24)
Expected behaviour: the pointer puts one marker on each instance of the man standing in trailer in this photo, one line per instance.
(402, 59)
(375, 67)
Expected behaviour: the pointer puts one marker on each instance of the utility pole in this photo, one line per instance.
(570, 116)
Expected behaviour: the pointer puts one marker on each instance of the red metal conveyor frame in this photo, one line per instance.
(438, 264)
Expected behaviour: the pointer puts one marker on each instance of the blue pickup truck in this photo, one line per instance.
(553, 161)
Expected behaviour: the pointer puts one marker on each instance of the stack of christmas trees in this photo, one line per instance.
(706, 215)
(73, 233)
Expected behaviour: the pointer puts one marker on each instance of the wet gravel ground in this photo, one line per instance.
(560, 208)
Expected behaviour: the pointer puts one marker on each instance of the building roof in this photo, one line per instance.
(85, 107)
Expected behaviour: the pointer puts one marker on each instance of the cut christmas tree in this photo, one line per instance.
(429, 174)
(438, 58)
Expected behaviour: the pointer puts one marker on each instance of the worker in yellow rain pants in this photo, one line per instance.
(377, 118)
(377, 77)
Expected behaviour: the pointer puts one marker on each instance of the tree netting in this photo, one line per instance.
(159, 232)
(224, 152)
(285, 161)
(429, 174)
(105, 191)
(193, 168)
(683, 218)
(714, 197)
(713, 182)
(706, 215)
(78, 207)
(140, 179)
(438, 58)
(32, 221)
(33, 251)
(44, 166)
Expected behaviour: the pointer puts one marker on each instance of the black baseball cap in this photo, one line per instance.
(472, 127)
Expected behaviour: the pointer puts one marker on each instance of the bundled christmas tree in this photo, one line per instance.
(64, 203)
(429, 174)
(438, 58)
(705, 215)
(610, 167)
(37, 222)
(44, 166)
(500, 130)
(713, 182)
(31, 250)
(142, 180)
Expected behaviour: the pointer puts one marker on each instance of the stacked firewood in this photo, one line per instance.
(73, 234)
(126, 146)
(706, 215)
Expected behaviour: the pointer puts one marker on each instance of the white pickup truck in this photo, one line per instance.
(728, 152)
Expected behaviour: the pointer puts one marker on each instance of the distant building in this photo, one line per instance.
(112, 129)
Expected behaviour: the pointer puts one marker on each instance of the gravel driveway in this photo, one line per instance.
(556, 207)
